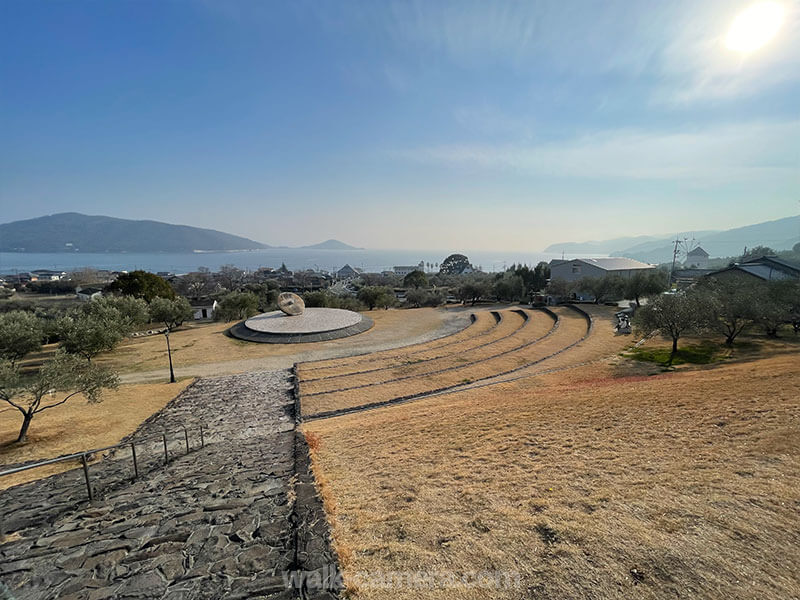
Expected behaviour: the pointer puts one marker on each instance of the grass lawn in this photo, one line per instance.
(77, 426)
(704, 350)
(587, 483)
(697, 354)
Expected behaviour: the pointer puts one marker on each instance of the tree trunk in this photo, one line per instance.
(674, 351)
(26, 423)
(169, 354)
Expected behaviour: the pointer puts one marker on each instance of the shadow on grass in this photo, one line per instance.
(703, 353)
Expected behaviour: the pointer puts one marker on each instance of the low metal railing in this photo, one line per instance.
(82, 456)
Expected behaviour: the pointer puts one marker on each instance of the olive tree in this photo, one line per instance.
(728, 306)
(379, 296)
(604, 289)
(142, 284)
(774, 305)
(560, 288)
(21, 332)
(58, 380)
(171, 314)
(88, 333)
(235, 306)
(672, 314)
(415, 279)
(509, 287)
(645, 283)
(473, 291)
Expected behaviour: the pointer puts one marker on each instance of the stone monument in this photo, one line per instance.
(291, 304)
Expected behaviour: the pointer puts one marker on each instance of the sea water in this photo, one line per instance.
(371, 261)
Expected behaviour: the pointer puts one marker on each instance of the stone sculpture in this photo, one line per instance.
(291, 304)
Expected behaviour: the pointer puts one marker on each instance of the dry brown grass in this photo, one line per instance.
(77, 426)
(509, 334)
(588, 482)
(571, 328)
(416, 353)
(484, 323)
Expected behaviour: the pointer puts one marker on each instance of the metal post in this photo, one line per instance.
(166, 454)
(86, 476)
(186, 437)
(135, 464)
(202, 440)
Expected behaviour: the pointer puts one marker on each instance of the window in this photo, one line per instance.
(576, 268)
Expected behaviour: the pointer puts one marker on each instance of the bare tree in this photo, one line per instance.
(62, 377)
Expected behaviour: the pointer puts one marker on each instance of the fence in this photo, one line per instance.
(83, 456)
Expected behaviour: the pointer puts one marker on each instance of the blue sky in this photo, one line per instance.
(463, 125)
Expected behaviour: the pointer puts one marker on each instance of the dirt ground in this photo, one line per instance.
(608, 480)
(77, 426)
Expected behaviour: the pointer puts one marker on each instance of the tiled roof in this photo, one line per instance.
(765, 272)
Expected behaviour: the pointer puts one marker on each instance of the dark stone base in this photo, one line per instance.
(240, 331)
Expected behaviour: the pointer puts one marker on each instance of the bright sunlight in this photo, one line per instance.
(754, 27)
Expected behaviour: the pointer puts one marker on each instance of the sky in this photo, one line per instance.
(446, 125)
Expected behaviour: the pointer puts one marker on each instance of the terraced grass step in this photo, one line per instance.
(484, 323)
(572, 327)
(516, 329)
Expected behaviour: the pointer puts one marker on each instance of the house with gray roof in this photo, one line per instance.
(347, 272)
(765, 268)
(579, 268)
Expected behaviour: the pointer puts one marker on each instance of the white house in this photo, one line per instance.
(697, 259)
(204, 309)
(578, 268)
(402, 271)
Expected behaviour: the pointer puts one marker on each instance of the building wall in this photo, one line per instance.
(697, 262)
(574, 270)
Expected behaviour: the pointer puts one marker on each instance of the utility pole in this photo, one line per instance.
(674, 258)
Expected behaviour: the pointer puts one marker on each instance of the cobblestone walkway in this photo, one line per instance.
(218, 522)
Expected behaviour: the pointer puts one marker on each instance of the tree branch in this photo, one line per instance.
(17, 406)
(43, 408)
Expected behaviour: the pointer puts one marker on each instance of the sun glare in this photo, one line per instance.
(754, 27)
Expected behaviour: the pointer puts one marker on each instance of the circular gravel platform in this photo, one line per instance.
(314, 325)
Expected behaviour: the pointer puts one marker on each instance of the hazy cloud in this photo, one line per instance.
(717, 154)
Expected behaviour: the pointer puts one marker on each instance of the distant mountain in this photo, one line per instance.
(661, 242)
(330, 245)
(74, 232)
(598, 247)
(780, 234)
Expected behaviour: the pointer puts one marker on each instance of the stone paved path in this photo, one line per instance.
(218, 522)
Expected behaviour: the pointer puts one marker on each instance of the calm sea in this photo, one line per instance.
(295, 259)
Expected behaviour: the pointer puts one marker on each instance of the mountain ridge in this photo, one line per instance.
(76, 232)
(779, 234)
(330, 245)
